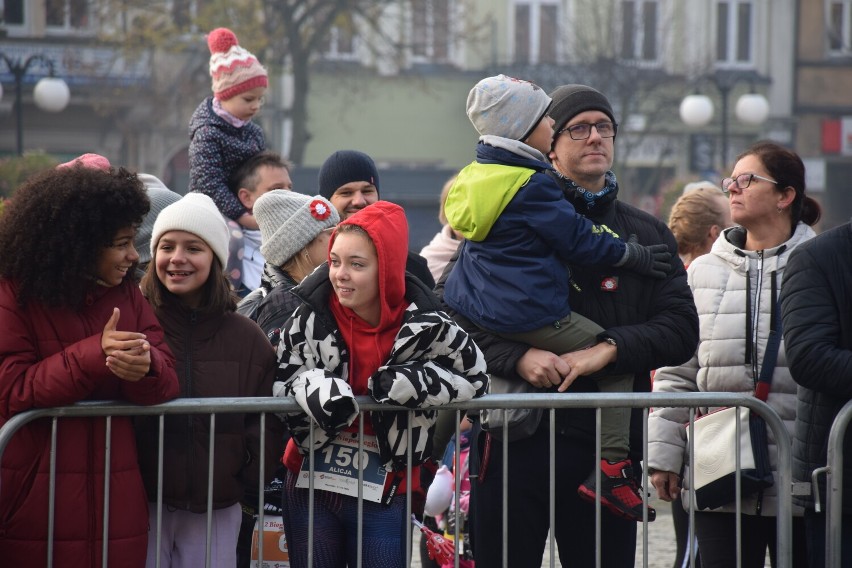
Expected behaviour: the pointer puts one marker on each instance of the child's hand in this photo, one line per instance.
(131, 365)
(114, 340)
(128, 353)
(248, 221)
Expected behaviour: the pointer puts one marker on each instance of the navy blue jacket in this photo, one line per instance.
(216, 149)
(520, 232)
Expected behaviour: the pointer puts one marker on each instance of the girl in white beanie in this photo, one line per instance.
(219, 353)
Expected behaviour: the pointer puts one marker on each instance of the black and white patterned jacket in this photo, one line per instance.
(433, 362)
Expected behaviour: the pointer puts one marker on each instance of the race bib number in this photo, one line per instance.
(337, 465)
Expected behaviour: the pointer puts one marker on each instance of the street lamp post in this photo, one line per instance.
(51, 93)
(751, 108)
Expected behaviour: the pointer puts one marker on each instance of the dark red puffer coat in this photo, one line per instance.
(53, 357)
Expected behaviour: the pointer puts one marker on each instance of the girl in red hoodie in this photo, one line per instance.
(365, 327)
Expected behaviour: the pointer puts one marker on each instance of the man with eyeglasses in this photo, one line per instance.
(648, 323)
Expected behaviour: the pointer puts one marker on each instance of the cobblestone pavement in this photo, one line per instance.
(661, 543)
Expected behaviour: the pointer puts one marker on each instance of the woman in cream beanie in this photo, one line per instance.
(294, 229)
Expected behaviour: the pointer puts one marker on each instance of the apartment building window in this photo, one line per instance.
(839, 26)
(536, 31)
(341, 39)
(67, 14)
(431, 26)
(13, 12)
(734, 23)
(639, 30)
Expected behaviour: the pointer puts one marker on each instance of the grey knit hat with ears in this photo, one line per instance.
(197, 214)
(161, 197)
(289, 221)
(506, 107)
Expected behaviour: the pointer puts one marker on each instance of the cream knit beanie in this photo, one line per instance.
(197, 214)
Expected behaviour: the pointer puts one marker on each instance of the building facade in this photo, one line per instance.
(394, 85)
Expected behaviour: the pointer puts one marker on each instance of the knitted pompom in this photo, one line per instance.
(221, 40)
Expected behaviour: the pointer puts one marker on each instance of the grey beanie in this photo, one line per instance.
(571, 100)
(346, 166)
(289, 221)
(161, 197)
(506, 107)
(197, 214)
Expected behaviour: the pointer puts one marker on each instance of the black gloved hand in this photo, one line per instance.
(651, 260)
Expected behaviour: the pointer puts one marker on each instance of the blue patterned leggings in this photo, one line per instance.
(336, 526)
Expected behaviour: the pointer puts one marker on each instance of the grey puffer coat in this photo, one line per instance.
(733, 290)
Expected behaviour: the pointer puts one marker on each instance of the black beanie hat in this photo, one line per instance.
(345, 166)
(571, 100)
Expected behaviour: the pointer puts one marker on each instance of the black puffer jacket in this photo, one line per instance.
(218, 355)
(816, 309)
(654, 322)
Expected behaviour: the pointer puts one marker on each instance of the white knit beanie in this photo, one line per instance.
(161, 197)
(289, 221)
(506, 107)
(197, 214)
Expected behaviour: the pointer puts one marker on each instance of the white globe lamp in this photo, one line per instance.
(752, 108)
(696, 110)
(51, 94)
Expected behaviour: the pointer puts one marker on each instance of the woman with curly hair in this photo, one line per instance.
(75, 327)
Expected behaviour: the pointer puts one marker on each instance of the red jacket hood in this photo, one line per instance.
(387, 226)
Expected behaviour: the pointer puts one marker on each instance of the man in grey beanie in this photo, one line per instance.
(647, 324)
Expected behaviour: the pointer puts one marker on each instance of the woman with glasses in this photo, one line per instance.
(736, 290)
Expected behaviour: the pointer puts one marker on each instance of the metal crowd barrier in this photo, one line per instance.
(551, 402)
(834, 487)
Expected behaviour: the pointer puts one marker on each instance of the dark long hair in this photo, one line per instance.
(57, 224)
(787, 168)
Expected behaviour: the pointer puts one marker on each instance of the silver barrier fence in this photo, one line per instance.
(550, 402)
(834, 487)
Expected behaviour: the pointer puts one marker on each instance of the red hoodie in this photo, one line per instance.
(369, 346)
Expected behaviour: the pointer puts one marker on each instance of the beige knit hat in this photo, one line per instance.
(197, 214)
(234, 69)
(289, 221)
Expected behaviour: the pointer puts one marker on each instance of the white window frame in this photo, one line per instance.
(535, 29)
(66, 28)
(25, 6)
(639, 32)
(845, 27)
(732, 26)
(430, 25)
(334, 51)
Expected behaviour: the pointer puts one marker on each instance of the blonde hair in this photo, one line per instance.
(693, 214)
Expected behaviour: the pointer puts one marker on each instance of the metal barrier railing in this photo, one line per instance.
(550, 401)
(834, 487)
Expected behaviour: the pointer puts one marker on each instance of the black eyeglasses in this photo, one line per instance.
(742, 181)
(583, 130)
